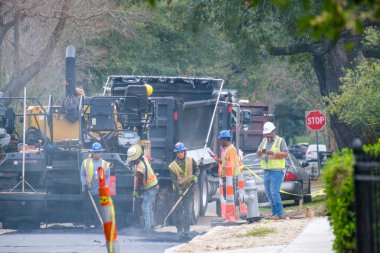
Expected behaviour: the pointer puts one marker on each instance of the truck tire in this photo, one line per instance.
(203, 188)
(196, 204)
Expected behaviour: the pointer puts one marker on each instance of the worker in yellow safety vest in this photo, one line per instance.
(273, 152)
(145, 183)
(90, 182)
(184, 170)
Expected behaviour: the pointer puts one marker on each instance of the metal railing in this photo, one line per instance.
(367, 200)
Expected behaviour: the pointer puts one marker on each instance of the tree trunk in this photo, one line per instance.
(16, 83)
(330, 63)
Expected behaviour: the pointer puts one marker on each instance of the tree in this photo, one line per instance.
(358, 102)
(31, 30)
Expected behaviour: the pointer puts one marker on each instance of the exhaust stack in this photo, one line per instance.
(70, 71)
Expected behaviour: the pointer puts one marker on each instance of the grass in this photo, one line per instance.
(318, 201)
(259, 232)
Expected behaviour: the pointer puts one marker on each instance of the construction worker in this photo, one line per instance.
(228, 159)
(90, 184)
(273, 152)
(184, 170)
(145, 184)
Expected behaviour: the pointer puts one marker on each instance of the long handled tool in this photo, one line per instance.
(176, 204)
(95, 207)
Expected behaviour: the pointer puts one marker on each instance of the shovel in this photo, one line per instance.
(176, 204)
(95, 207)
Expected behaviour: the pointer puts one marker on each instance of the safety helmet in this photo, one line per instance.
(134, 153)
(179, 146)
(268, 127)
(224, 134)
(149, 89)
(96, 147)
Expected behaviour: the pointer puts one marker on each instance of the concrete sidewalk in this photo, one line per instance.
(316, 238)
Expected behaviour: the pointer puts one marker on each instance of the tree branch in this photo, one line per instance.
(4, 28)
(18, 82)
(290, 50)
(311, 48)
(371, 52)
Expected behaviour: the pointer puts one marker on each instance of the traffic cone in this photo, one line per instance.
(230, 203)
(222, 200)
(108, 214)
(241, 185)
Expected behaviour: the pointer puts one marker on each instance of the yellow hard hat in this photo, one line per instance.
(149, 89)
(134, 153)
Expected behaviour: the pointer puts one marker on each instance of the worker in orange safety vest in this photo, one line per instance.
(90, 182)
(228, 170)
(145, 184)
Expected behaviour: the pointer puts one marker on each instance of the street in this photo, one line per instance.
(66, 238)
(76, 239)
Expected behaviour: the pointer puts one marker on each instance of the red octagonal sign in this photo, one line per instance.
(315, 120)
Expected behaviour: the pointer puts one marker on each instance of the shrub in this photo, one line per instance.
(339, 184)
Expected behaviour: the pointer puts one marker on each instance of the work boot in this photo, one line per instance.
(276, 217)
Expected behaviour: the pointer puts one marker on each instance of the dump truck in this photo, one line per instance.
(40, 182)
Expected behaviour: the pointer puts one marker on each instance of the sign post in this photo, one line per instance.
(315, 121)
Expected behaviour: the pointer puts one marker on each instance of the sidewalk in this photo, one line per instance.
(316, 238)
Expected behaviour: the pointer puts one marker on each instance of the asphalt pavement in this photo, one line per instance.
(77, 240)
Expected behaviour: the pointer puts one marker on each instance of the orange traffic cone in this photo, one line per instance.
(230, 202)
(108, 213)
(241, 185)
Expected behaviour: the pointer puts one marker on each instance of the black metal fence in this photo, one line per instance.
(367, 201)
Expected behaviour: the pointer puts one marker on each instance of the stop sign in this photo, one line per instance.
(315, 120)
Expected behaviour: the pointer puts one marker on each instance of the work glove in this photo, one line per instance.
(180, 192)
(195, 179)
(135, 194)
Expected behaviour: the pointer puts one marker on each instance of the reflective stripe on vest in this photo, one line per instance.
(149, 180)
(89, 168)
(273, 162)
(183, 177)
(224, 161)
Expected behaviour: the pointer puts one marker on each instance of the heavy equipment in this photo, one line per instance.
(40, 182)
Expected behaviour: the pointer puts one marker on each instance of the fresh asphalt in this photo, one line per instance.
(78, 240)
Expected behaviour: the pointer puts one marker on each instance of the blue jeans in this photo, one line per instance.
(272, 184)
(147, 207)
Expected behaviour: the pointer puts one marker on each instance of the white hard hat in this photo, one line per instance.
(268, 127)
(134, 152)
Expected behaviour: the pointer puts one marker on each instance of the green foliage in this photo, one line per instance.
(290, 119)
(373, 149)
(328, 18)
(359, 101)
(339, 182)
(259, 232)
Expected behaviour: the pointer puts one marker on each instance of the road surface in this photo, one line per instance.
(77, 240)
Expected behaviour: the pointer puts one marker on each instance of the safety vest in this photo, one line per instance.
(89, 168)
(150, 178)
(226, 154)
(273, 162)
(183, 177)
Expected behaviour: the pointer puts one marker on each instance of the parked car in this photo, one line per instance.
(299, 150)
(296, 180)
(311, 153)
